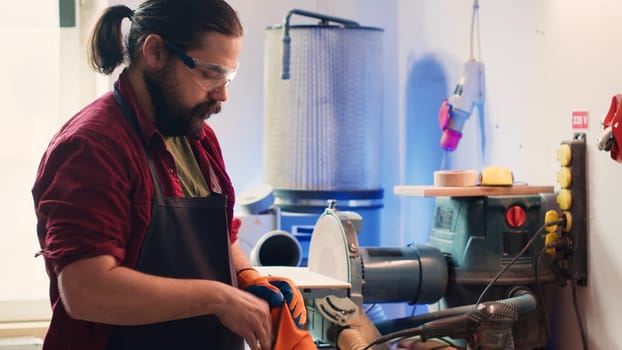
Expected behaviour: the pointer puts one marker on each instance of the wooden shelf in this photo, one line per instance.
(470, 191)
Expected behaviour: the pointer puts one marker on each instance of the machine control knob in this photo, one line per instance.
(515, 216)
(564, 199)
(549, 217)
(564, 155)
(564, 177)
(568, 226)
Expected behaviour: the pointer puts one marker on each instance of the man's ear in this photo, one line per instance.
(154, 51)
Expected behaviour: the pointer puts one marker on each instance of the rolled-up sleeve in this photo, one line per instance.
(83, 200)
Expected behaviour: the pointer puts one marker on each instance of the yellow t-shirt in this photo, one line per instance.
(192, 180)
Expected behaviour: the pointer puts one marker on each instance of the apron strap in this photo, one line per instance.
(129, 114)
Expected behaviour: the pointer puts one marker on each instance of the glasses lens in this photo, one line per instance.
(213, 74)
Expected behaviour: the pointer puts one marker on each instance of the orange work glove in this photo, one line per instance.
(288, 335)
(251, 281)
(293, 299)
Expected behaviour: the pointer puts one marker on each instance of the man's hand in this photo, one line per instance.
(245, 315)
(251, 281)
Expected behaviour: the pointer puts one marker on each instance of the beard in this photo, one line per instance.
(171, 117)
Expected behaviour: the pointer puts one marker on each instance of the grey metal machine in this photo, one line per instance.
(493, 262)
(453, 268)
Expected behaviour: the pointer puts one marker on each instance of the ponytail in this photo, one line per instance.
(181, 21)
(106, 45)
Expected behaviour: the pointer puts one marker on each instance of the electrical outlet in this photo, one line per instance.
(572, 200)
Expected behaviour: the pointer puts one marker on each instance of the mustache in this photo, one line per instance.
(208, 107)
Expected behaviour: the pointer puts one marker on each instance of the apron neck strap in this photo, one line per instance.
(130, 115)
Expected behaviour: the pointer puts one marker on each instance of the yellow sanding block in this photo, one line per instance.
(496, 176)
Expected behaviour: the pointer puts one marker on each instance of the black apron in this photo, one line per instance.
(186, 238)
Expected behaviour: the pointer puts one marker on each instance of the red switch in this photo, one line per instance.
(515, 216)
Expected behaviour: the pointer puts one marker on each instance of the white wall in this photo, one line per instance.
(29, 96)
(44, 82)
(543, 59)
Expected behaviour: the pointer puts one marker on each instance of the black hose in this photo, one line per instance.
(524, 301)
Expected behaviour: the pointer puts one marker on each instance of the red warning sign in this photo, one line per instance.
(580, 119)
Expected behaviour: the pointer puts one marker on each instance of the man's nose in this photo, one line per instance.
(219, 93)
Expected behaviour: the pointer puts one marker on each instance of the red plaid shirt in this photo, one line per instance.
(93, 194)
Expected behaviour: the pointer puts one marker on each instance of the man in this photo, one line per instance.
(133, 202)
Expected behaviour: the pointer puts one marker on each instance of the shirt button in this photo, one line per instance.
(171, 170)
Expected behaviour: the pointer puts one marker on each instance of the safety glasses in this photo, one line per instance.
(208, 76)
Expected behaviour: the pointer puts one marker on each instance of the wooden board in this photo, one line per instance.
(471, 191)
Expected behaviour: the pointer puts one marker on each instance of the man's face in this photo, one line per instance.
(181, 103)
(172, 117)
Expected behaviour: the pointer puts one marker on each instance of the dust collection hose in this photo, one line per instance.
(491, 323)
(276, 248)
(523, 300)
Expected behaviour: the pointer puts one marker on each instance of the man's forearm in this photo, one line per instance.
(239, 258)
(98, 290)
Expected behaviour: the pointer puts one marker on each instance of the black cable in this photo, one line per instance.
(412, 312)
(371, 306)
(541, 293)
(411, 332)
(576, 311)
(531, 241)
